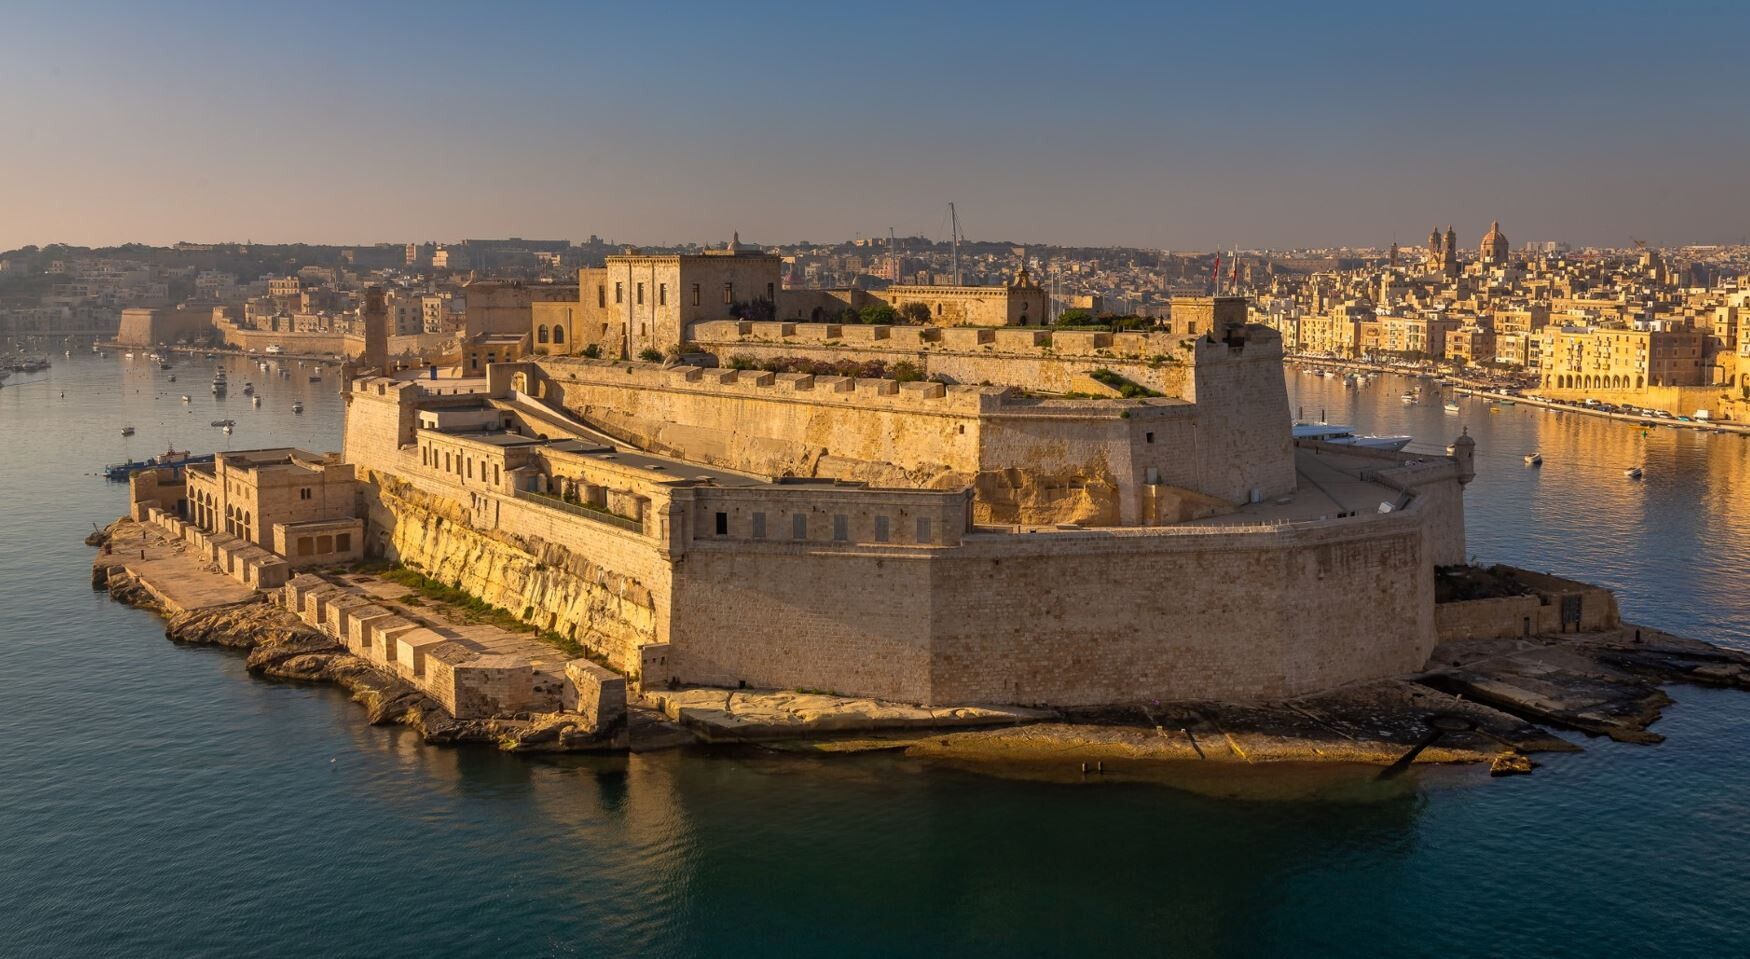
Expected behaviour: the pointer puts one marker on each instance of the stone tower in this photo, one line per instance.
(1449, 253)
(1494, 248)
(375, 315)
(1464, 450)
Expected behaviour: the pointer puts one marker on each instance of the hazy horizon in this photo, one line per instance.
(1196, 128)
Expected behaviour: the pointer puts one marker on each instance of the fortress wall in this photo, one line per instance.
(805, 616)
(1031, 358)
(148, 327)
(882, 432)
(602, 586)
(822, 508)
(1109, 617)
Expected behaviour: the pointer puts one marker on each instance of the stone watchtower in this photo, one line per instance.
(375, 315)
(1464, 451)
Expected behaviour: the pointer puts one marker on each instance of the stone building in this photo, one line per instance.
(1493, 252)
(300, 505)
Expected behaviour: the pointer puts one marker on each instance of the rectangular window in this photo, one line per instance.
(841, 528)
(881, 529)
(601, 294)
(640, 294)
(342, 542)
(771, 294)
(619, 292)
(470, 467)
(497, 475)
(729, 292)
(722, 524)
(695, 294)
(923, 529)
(799, 526)
(759, 526)
(1148, 437)
(662, 294)
(303, 492)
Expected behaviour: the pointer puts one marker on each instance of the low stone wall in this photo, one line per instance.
(468, 683)
(237, 558)
(1556, 605)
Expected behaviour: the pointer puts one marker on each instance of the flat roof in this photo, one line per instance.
(679, 469)
(496, 438)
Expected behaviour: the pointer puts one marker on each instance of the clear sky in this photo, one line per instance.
(1179, 126)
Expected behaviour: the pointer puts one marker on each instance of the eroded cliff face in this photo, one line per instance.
(1032, 498)
(542, 583)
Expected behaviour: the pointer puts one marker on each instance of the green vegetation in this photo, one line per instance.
(917, 314)
(475, 611)
(880, 313)
(650, 354)
(906, 371)
(472, 608)
(592, 351)
(758, 311)
(1126, 387)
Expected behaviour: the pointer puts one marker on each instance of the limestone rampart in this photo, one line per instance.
(1038, 359)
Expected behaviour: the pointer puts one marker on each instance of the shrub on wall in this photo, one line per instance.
(650, 354)
(592, 351)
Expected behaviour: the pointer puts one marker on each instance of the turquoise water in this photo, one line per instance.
(155, 800)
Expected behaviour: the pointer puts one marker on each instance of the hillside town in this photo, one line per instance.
(1644, 327)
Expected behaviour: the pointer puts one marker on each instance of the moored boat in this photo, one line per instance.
(1534, 459)
(1346, 436)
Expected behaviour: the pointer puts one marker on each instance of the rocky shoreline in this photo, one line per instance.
(281, 646)
(1490, 702)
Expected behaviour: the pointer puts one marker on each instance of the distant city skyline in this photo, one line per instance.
(1273, 126)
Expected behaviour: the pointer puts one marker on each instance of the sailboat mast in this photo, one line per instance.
(954, 224)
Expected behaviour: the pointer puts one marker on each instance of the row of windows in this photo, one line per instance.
(841, 527)
(558, 334)
(324, 544)
(601, 294)
(462, 466)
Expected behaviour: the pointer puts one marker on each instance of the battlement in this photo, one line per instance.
(919, 397)
(1149, 346)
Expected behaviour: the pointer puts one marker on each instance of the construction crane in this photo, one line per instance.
(1639, 244)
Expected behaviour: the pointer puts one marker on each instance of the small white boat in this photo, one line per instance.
(1451, 407)
(1534, 459)
(1346, 436)
(227, 430)
(225, 423)
(1633, 472)
(129, 354)
(127, 431)
(1409, 399)
(256, 400)
(185, 398)
(298, 407)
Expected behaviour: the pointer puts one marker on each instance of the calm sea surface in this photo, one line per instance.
(156, 801)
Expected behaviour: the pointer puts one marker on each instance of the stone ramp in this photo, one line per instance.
(177, 576)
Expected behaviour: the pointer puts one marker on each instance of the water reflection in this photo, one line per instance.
(1674, 545)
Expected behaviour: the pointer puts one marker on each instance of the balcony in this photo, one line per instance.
(587, 512)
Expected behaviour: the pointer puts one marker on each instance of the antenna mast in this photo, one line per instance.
(954, 224)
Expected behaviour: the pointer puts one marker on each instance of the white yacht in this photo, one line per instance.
(1346, 436)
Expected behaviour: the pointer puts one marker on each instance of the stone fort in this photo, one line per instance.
(1045, 517)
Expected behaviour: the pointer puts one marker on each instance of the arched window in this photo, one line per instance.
(559, 334)
(541, 335)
